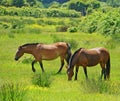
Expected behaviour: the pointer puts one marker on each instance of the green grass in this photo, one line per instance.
(41, 80)
(60, 88)
(12, 92)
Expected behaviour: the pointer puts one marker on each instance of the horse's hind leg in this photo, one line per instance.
(62, 64)
(41, 65)
(103, 72)
(33, 69)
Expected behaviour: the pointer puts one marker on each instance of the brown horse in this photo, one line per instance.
(45, 52)
(89, 57)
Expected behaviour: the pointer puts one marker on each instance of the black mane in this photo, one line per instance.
(73, 57)
(76, 52)
(30, 44)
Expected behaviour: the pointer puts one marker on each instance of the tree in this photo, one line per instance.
(17, 3)
(5, 2)
(78, 6)
(31, 2)
(113, 3)
(50, 1)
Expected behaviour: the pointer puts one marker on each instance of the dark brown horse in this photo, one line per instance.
(89, 57)
(45, 52)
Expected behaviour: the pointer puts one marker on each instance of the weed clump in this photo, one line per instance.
(73, 43)
(42, 80)
(12, 92)
(98, 86)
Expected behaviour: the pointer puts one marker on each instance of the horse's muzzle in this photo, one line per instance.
(16, 58)
(69, 79)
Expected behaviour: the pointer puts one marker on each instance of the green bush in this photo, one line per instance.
(105, 23)
(42, 80)
(72, 29)
(37, 12)
(61, 28)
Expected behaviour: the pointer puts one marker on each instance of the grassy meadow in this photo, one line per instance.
(18, 76)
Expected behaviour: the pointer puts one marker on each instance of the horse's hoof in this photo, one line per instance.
(58, 72)
(34, 70)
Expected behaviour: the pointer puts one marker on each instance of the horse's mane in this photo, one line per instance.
(30, 44)
(73, 56)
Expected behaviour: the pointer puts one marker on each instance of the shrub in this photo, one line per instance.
(42, 80)
(72, 29)
(105, 23)
(37, 12)
(62, 28)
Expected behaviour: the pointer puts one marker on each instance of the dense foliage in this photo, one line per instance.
(47, 3)
(106, 23)
(97, 15)
(37, 12)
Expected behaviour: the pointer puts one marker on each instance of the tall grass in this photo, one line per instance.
(42, 80)
(99, 86)
(72, 42)
(12, 92)
(58, 86)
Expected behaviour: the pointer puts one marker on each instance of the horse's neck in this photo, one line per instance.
(29, 49)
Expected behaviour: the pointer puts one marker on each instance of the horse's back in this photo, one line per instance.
(62, 47)
(93, 56)
(52, 51)
(90, 57)
(104, 53)
(100, 50)
(54, 45)
(61, 44)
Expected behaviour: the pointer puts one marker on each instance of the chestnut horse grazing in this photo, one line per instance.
(45, 52)
(89, 57)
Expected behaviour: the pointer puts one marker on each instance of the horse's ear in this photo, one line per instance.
(20, 47)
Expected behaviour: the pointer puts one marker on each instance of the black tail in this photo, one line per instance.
(69, 53)
(108, 68)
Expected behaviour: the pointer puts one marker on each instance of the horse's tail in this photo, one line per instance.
(69, 53)
(108, 68)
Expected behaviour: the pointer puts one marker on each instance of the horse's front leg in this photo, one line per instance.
(41, 65)
(33, 69)
(77, 68)
(62, 64)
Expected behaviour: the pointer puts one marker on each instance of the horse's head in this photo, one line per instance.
(19, 53)
(70, 73)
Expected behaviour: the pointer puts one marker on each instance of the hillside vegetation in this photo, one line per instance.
(89, 17)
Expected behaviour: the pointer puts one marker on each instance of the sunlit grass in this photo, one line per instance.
(12, 92)
(42, 80)
(60, 88)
